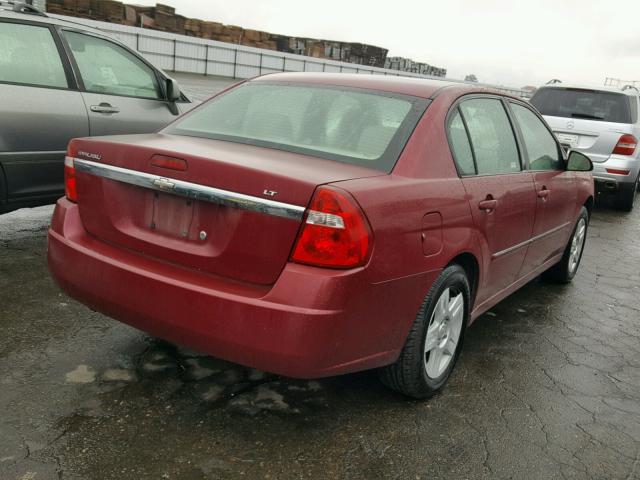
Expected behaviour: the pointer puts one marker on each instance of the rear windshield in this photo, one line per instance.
(582, 103)
(354, 126)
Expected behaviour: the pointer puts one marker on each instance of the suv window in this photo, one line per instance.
(542, 148)
(28, 55)
(633, 101)
(583, 103)
(460, 145)
(491, 135)
(108, 68)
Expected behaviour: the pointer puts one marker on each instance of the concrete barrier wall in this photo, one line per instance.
(180, 53)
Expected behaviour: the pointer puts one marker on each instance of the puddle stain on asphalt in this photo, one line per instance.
(239, 389)
(82, 374)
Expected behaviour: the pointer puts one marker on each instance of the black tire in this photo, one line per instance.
(627, 196)
(408, 375)
(563, 272)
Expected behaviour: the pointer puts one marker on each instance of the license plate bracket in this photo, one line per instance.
(172, 215)
(568, 139)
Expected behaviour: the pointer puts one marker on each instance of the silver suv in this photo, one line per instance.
(60, 80)
(602, 123)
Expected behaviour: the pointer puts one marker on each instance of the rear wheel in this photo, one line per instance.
(566, 269)
(435, 340)
(627, 196)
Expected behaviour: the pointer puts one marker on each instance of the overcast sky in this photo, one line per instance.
(513, 42)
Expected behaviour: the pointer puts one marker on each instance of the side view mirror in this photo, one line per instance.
(173, 90)
(579, 162)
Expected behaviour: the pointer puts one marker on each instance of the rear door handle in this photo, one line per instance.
(104, 108)
(488, 205)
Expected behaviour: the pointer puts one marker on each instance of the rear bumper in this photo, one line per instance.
(606, 181)
(312, 323)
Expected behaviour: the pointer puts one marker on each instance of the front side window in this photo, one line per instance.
(28, 55)
(353, 126)
(540, 144)
(108, 68)
(492, 138)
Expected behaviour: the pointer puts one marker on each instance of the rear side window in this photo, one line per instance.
(633, 101)
(460, 145)
(28, 55)
(541, 147)
(584, 103)
(108, 68)
(491, 135)
(354, 126)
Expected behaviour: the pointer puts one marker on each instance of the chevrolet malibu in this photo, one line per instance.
(318, 224)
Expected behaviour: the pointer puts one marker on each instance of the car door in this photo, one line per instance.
(501, 193)
(556, 194)
(40, 111)
(122, 92)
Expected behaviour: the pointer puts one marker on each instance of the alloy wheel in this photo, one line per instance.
(443, 333)
(577, 244)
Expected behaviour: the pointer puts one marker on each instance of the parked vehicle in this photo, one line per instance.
(602, 123)
(318, 224)
(60, 80)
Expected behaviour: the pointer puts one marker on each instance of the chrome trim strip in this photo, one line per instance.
(528, 242)
(191, 190)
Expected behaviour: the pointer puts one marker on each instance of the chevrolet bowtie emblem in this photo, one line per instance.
(164, 184)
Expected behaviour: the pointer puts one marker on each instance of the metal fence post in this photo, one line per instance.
(206, 60)
(175, 52)
(235, 62)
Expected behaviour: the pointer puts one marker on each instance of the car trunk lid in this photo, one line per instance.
(234, 212)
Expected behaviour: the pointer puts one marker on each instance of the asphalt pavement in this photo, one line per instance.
(548, 386)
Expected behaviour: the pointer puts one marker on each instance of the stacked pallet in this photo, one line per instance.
(367, 54)
(103, 10)
(408, 65)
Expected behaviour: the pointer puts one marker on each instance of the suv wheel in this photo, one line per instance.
(627, 196)
(435, 340)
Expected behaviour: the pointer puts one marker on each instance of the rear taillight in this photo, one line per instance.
(626, 145)
(336, 233)
(617, 171)
(70, 185)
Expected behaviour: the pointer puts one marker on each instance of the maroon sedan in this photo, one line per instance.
(317, 224)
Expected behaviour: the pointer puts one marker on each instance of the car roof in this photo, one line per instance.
(417, 87)
(630, 91)
(7, 12)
